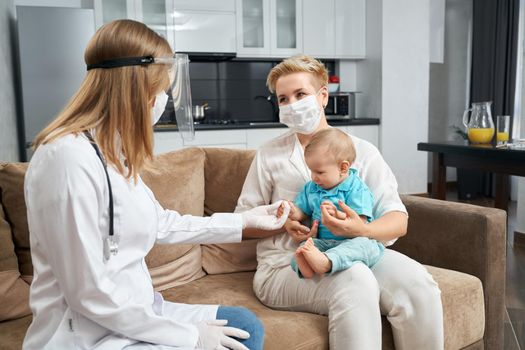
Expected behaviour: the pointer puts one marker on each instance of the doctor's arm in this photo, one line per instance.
(256, 191)
(67, 228)
(218, 228)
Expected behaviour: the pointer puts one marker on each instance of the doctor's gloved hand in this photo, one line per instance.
(265, 216)
(214, 334)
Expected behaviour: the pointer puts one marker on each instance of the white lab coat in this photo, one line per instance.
(81, 301)
(279, 171)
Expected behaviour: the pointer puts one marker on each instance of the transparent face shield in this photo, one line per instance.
(179, 77)
(180, 92)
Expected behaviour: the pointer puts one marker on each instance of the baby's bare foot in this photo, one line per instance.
(317, 260)
(302, 264)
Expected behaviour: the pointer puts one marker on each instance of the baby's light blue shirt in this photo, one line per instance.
(352, 191)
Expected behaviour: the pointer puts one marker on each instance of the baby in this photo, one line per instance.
(329, 156)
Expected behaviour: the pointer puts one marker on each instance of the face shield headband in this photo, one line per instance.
(179, 91)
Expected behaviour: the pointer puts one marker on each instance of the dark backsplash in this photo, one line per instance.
(234, 90)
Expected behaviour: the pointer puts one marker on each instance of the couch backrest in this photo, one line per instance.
(192, 181)
(225, 171)
(14, 243)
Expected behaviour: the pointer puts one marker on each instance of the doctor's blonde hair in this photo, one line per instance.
(115, 102)
(299, 64)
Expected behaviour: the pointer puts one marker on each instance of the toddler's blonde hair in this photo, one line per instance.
(299, 64)
(339, 144)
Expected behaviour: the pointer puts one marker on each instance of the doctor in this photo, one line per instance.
(397, 286)
(92, 220)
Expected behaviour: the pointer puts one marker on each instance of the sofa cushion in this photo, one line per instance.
(13, 201)
(461, 294)
(12, 333)
(463, 307)
(223, 187)
(283, 330)
(177, 180)
(14, 292)
(462, 297)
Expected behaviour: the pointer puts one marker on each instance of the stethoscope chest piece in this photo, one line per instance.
(111, 246)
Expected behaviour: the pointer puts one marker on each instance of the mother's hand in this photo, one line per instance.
(350, 227)
(299, 232)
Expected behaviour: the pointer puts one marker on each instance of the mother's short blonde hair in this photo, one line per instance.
(299, 64)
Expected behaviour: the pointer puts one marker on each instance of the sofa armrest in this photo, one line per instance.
(465, 238)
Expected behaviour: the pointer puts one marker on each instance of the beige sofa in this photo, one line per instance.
(464, 244)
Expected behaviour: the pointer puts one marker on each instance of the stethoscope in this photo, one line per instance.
(112, 241)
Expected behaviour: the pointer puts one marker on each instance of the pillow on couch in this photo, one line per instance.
(14, 292)
(225, 171)
(12, 194)
(177, 180)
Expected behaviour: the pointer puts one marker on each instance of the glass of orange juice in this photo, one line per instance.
(502, 129)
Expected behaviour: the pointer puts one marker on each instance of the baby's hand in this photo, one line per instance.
(294, 212)
(280, 210)
(332, 210)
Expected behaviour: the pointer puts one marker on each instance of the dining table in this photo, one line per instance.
(502, 161)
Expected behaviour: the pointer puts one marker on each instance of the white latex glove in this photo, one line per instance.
(214, 335)
(264, 217)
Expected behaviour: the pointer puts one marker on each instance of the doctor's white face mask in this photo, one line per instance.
(302, 116)
(158, 108)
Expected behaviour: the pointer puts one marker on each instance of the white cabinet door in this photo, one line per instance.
(257, 137)
(157, 15)
(350, 28)
(110, 10)
(253, 28)
(201, 31)
(319, 28)
(286, 27)
(205, 5)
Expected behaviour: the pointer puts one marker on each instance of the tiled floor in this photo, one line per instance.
(515, 289)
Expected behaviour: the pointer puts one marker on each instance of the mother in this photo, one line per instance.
(396, 286)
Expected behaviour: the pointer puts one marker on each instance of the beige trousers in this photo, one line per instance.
(398, 287)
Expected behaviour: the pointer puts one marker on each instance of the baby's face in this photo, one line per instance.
(325, 170)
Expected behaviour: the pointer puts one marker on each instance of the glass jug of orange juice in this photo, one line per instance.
(480, 127)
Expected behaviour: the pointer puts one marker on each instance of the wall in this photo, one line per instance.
(8, 114)
(405, 91)
(449, 81)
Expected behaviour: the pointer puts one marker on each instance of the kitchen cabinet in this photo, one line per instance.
(350, 28)
(334, 28)
(110, 10)
(205, 31)
(319, 28)
(269, 28)
(205, 26)
(205, 5)
(156, 14)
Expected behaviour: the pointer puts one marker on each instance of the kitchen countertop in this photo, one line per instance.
(265, 125)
